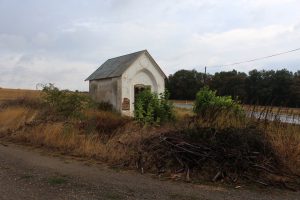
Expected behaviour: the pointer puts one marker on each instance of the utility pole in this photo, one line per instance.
(205, 75)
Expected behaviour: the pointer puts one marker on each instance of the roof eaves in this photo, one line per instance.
(95, 79)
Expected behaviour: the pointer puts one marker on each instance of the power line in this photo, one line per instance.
(260, 58)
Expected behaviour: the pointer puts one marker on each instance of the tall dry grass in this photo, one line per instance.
(284, 137)
(15, 117)
(286, 141)
(102, 135)
(120, 149)
(58, 137)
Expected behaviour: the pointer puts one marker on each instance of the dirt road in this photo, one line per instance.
(29, 174)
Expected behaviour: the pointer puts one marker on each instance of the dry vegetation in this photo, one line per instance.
(284, 137)
(102, 135)
(108, 137)
(286, 141)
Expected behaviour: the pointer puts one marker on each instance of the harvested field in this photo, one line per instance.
(11, 94)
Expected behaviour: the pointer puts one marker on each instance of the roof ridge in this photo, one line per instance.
(137, 52)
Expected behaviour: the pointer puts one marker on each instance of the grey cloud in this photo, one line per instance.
(12, 42)
(63, 41)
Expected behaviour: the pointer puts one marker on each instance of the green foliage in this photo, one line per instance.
(151, 108)
(64, 102)
(276, 88)
(231, 83)
(184, 84)
(207, 103)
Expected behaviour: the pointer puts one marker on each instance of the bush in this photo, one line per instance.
(102, 122)
(151, 108)
(64, 102)
(208, 103)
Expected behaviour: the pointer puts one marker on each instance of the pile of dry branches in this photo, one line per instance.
(227, 155)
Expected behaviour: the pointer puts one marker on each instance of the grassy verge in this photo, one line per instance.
(100, 135)
(121, 142)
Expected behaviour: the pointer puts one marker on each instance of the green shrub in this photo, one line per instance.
(152, 108)
(64, 102)
(209, 104)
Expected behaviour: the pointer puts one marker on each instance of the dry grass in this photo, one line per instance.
(104, 123)
(16, 125)
(121, 149)
(15, 117)
(181, 113)
(59, 137)
(109, 137)
(286, 141)
(102, 135)
(284, 137)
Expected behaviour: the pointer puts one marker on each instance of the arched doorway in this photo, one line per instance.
(138, 88)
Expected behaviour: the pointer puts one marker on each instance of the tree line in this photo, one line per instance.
(264, 87)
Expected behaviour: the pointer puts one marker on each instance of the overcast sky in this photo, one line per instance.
(63, 41)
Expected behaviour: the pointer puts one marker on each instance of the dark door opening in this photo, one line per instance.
(140, 88)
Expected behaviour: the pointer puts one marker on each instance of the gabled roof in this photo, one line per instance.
(115, 67)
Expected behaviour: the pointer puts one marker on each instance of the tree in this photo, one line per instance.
(184, 84)
(230, 83)
(295, 90)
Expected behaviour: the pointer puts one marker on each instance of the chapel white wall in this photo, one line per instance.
(142, 71)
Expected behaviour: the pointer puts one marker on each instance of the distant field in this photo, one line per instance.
(9, 94)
